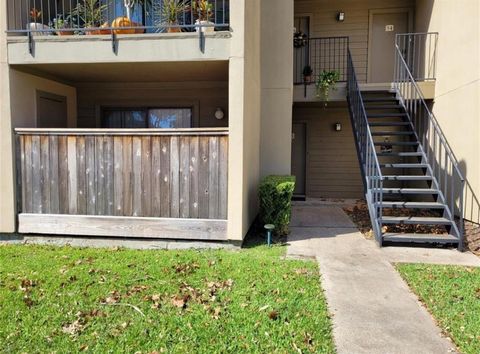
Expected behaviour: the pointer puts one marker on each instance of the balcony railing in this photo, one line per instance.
(320, 55)
(93, 17)
(419, 51)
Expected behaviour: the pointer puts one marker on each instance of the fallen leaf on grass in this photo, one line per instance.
(263, 308)
(273, 315)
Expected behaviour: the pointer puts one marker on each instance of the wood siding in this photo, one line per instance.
(129, 173)
(332, 169)
(323, 23)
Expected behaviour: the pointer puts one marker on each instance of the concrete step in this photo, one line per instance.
(415, 220)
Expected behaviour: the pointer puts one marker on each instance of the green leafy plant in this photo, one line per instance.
(171, 11)
(90, 12)
(202, 9)
(326, 82)
(275, 202)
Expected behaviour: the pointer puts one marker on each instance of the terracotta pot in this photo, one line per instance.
(100, 31)
(174, 30)
(65, 33)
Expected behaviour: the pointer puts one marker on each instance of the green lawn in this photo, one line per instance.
(452, 294)
(70, 299)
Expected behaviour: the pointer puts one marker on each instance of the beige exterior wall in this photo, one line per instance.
(457, 92)
(277, 86)
(332, 167)
(203, 97)
(323, 23)
(7, 187)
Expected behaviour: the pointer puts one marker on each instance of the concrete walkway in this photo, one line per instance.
(373, 309)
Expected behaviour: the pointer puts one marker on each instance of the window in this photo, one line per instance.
(166, 118)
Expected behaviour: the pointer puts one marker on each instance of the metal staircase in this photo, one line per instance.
(412, 180)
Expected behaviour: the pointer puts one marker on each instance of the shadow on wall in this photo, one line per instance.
(471, 202)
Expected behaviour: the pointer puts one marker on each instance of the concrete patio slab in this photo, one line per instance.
(373, 309)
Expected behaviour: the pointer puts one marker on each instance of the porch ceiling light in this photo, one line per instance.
(219, 114)
(341, 16)
(338, 127)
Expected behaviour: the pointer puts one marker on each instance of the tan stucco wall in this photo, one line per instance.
(457, 91)
(18, 109)
(7, 205)
(203, 97)
(276, 75)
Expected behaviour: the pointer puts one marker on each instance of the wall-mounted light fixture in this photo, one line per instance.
(341, 16)
(219, 114)
(338, 127)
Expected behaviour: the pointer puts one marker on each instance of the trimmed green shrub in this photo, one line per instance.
(275, 202)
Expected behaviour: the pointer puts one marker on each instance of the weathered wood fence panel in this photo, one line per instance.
(147, 173)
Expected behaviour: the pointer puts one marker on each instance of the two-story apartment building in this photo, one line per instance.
(127, 122)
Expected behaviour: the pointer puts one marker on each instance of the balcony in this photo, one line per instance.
(57, 31)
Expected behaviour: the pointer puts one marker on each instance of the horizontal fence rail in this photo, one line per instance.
(366, 150)
(320, 54)
(419, 51)
(116, 173)
(93, 17)
(443, 164)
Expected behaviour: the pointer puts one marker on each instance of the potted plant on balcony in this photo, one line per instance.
(204, 11)
(35, 24)
(91, 13)
(171, 11)
(62, 26)
(327, 81)
(307, 74)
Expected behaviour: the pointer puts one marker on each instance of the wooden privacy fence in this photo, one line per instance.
(152, 173)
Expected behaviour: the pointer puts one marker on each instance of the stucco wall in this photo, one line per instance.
(457, 92)
(203, 97)
(276, 75)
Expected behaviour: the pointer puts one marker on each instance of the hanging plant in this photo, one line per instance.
(326, 82)
(300, 39)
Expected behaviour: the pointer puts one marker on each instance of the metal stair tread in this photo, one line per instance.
(408, 178)
(386, 115)
(409, 190)
(396, 143)
(373, 107)
(412, 205)
(404, 165)
(388, 124)
(379, 99)
(420, 238)
(430, 220)
(400, 154)
(383, 132)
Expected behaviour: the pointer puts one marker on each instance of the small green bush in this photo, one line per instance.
(275, 202)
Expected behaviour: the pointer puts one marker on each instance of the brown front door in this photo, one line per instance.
(383, 28)
(51, 110)
(299, 155)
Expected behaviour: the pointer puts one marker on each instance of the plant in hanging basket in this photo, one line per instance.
(327, 81)
(300, 39)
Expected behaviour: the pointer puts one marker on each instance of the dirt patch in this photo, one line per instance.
(472, 237)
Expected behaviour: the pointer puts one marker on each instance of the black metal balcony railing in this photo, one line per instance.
(419, 51)
(91, 17)
(320, 54)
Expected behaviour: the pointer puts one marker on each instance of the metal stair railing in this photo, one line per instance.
(366, 150)
(443, 165)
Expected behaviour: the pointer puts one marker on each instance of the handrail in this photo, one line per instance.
(443, 164)
(121, 131)
(366, 149)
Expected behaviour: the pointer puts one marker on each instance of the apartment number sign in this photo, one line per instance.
(389, 28)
